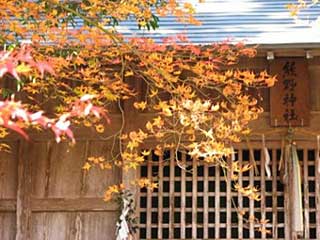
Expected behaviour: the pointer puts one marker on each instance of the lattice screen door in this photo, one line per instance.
(200, 203)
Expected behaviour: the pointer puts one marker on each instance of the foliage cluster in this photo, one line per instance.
(201, 103)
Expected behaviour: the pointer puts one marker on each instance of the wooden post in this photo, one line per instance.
(263, 192)
(183, 199)
(217, 202)
(240, 203)
(205, 201)
(23, 194)
(160, 194)
(274, 195)
(149, 198)
(171, 194)
(194, 198)
(306, 194)
(228, 198)
(251, 201)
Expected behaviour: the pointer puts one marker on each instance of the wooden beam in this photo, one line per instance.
(72, 205)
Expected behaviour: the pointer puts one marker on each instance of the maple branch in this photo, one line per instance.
(88, 20)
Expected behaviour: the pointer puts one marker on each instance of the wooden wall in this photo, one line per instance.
(45, 194)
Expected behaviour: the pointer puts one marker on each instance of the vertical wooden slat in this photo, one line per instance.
(228, 198)
(306, 194)
(263, 193)
(48, 168)
(83, 173)
(171, 197)
(240, 204)
(160, 195)
(149, 195)
(251, 201)
(183, 199)
(206, 202)
(23, 193)
(137, 196)
(274, 195)
(194, 198)
(317, 192)
(217, 202)
(8, 171)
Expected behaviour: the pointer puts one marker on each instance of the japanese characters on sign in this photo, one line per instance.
(289, 86)
(289, 98)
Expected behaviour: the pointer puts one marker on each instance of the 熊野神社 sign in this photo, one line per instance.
(289, 98)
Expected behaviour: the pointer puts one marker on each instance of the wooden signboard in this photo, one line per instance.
(289, 98)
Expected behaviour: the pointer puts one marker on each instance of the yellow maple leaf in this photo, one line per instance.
(128, 74)
(100, 128)
(140, 105)
(153, 93)
(146, 152)
(86, 166)
(23, 68)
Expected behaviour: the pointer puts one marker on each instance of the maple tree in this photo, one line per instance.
(75, 58)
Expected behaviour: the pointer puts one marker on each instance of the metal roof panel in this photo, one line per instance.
(256, 22)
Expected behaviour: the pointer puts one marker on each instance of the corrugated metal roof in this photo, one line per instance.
(256, 22)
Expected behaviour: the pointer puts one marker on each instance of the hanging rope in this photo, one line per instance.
(294, 185)
(266, 157)
(233, 154)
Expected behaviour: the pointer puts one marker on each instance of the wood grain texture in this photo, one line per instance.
(75, 226)
(7, 226)
(95, 182)
(8, 172)
(8, 205)
(72, 205)
(23, 192)
(66, 169)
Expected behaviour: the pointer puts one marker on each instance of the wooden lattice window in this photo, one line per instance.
(200, 203)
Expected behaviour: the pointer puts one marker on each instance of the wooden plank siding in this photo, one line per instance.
(8, 191)
(45, 194)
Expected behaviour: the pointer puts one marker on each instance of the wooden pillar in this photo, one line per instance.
(23, 193)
